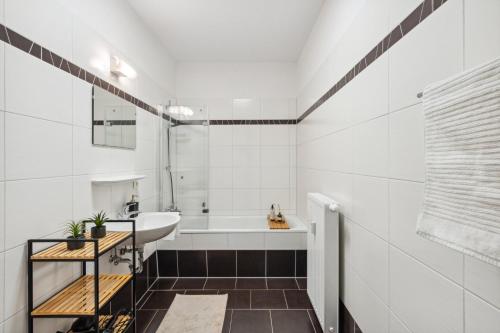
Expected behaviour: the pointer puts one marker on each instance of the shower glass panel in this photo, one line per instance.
(184, 158)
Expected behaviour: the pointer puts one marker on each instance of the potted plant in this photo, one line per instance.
(74, 230)
(99, 230)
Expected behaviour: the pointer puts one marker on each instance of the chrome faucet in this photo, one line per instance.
(127, 213)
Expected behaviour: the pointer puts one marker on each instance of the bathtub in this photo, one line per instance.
(235, 233)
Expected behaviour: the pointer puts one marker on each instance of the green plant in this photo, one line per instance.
(99, 219)
(74, 229)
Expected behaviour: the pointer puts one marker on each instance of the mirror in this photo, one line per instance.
(113, 120)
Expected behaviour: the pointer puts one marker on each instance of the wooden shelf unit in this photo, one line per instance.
(59, 251)
(120, 326)
(77, 299)
(85, 296)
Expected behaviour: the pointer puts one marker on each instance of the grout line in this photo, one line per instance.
(286, 302)
(146, 300)
(271, 318)
(231, 320)
(150, 321)
(177, 262)
(312, 323)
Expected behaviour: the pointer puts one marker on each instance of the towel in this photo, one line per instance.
(462, 184)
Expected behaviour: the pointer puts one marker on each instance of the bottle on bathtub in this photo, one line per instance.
(272, 213)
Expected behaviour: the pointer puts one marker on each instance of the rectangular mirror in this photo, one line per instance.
(113, 120)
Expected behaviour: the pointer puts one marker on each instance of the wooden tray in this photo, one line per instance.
(77, 299)
(60, 252)
(277, 225)
(119, 327)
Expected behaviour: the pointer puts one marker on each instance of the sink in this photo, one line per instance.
(149, 227)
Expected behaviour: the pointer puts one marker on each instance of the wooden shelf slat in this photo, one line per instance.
(120, 325)
(59, 251)
(77, 299)
(277, 225)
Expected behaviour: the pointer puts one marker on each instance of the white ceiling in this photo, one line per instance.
(230, 30)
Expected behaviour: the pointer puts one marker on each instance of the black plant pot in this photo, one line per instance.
(98, 232)
(77, 244)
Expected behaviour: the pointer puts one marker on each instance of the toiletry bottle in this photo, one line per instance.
(272, 213)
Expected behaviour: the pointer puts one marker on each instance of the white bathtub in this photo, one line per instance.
(235, 233)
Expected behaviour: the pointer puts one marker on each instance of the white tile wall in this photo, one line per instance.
(2, 75)
(405, 204)
(406, 146)
(370, 202)
(480, 316)
(2, 216)
(246, 108)
(254, 164)
(370, 147)
(36, 207)
(431, 52)
(482, 280)
(2, 145)
(482, 36)
(2, 16)
(369, 257)
(366, 307)
(35, 88)
(396, 326)
(46, 157)
(42, 22)
(246, 135)
(36, 148)
(422, 298)
(392, 279)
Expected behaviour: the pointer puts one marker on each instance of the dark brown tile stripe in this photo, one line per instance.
(420, 13)
(409, 23)
(24, 44)
(253, 122)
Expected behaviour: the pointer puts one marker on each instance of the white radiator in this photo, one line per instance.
(323, 259)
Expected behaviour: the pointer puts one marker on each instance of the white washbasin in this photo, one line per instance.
(149, 227)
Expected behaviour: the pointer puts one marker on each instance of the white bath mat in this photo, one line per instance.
(462, 141)
(195, 314)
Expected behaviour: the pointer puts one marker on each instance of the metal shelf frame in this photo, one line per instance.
(94, 260)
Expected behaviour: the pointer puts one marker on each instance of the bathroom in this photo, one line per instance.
(191, 123)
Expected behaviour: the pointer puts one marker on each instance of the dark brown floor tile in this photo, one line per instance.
(251, 284)
(163, 284)
(155, 323)
(192, 263)
(237, 299)
(300, 263)
(281, 263)
(159, 300)
(189, 284)
(302, 282)
(202, 292)
(167, 263)
(277, 283)
(215, 283)
(227, 322)
(144, 299)
(143, 319)
(315, 321)
(291, 321)
(267, 299)
(251, 263)
(247, 321)
(221, 263)
(346, 322)
(297, 299)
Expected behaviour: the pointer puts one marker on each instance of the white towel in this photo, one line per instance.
(462, 142)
